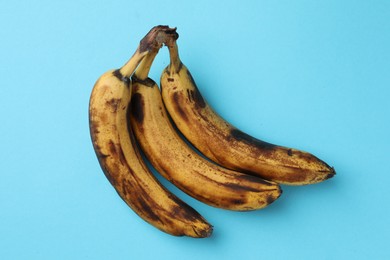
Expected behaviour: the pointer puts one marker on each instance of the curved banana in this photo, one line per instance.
(225, 144)
(120, 158)
(181, 165)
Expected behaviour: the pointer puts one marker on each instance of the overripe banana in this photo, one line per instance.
(225, 144)
(181, 165)
(120, 158)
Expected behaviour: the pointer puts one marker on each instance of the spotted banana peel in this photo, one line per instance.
(180, 164)
(224, 143)
(120, 158)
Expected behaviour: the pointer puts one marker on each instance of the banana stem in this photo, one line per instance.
(174, 57)
(142, 71)
(130, 66)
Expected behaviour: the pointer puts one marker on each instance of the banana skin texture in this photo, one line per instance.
(225, 144)
(120, 158)
(180, 164)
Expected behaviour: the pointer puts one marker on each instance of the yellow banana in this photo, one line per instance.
(225, 144)
(181, 165)
(120, 158)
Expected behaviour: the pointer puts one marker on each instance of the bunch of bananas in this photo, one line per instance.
(127, 110)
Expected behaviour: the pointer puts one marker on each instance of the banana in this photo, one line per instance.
(120, 158)
(180, 164)
(225, 144)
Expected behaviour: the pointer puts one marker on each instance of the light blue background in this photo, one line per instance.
(313, 75)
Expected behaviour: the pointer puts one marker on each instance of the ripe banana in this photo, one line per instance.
(120, 158)
(225, 144)
(181, 165)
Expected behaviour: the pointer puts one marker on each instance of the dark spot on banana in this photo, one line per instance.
(178, 108)
(114, 103)
(129, 187)
(109, 177)
(180, 67)
(112, 148)
(148, 209)
(95, 131)
(171, 79)
(121, 154)
(270, 199)
(100, 155)
(237, 201)
(197, 97)
(184, 210)
(167, 70)
(195, 94)
(117, 73)
(189, 95)
(240, 187)
(147, 82)
(244, 137)
(296, 177)
(93, 127)
(137, 107)
(255, 179)
(289, 152)
(112, 172)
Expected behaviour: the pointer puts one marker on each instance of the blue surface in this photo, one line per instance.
(307, 74)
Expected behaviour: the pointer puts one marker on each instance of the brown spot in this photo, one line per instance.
(93, 128)
(106, 172)
(189, 95)
(146, 82)
(171, 79)
(144, 205)
(100, 155)
(112, 148)
(122, 157)
(109, 172)
(243, 137)
(180, 67)
(237, 201)
(197, 97)
(184, 210)
(148, 209)
(195, 94)
(241, 187)
(256, 179)
(137, 107)
(167, 70)
(117, 73)
(289, 152)
(296, 177)
(270, 199)
(178, 108)
(114, 103)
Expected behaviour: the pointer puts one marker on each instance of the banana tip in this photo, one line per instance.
(203, 232)
(331, 174)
